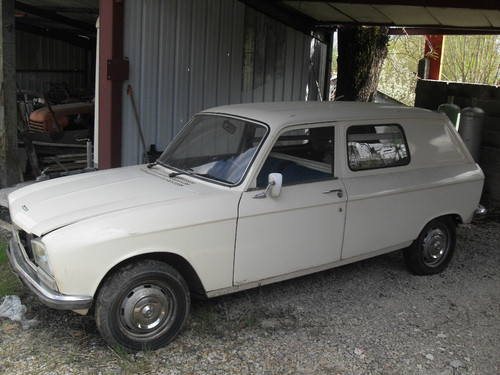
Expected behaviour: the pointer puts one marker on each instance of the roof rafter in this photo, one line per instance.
(53, 16)
(460, 4)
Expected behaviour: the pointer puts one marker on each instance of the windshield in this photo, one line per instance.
(215, 147)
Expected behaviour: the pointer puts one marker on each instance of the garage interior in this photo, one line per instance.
(50, 49)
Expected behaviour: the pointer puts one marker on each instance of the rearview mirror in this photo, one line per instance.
(275, 182)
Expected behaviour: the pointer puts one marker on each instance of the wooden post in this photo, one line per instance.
(9, 163)
(434, 51)
(113, 70)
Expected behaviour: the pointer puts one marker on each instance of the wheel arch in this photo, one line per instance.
(455, 218)
(180, 264)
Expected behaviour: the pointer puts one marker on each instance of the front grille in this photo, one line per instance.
(25, 242)
(36, 126)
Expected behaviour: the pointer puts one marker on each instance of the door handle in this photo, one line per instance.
(339, 192)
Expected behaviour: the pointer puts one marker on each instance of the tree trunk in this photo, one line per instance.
(362, 51)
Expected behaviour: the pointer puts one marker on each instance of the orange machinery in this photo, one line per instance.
(56, 118)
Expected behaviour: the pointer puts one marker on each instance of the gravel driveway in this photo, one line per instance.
(373, 317)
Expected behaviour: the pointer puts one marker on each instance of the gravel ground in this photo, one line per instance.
(372, 317)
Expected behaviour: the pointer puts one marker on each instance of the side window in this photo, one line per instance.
(301, 155)
(376, 146)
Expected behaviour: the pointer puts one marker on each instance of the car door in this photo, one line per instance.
(302, 228)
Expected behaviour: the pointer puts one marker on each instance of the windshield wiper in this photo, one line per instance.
(188, 172)
(151, 165)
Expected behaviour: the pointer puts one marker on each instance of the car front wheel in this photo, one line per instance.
(142, 306)
(431, 252)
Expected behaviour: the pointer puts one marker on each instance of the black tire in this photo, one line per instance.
(142, 306)
(431, 252)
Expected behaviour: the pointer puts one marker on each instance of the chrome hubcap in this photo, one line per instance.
(148, 310)
(435, 245)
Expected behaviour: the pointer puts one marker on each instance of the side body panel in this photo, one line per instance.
(388, 207)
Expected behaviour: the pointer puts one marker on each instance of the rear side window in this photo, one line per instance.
(376, 146)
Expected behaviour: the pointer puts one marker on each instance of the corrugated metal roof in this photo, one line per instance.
(438, 16)
(391, 14)
(432, 16)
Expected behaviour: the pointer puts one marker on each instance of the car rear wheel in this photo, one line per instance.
(142, 306)
(431, 252)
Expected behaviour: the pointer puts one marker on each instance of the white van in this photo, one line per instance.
(245, 195)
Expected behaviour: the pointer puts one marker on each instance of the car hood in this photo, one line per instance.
(43, 207)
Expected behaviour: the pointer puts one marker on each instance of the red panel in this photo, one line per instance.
(110, 91)
(434, 51)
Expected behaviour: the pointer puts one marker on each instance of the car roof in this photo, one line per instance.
(279, 114)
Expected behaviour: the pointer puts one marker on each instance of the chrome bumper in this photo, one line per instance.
(48, 296)
(480, 211)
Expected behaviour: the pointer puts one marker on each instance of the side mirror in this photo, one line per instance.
(275, 182)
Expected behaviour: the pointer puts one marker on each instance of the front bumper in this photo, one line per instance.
(30, 278)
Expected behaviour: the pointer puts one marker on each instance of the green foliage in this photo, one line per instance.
(9, 284)
(3, 254)
(472, 59)
(398, 78)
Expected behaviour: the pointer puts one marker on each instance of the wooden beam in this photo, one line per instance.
(55, 17)
(433, 30)
(111, 13)
(68, 36)
(460, 4)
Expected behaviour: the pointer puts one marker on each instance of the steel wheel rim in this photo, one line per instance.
(147, 312)
(435, 246)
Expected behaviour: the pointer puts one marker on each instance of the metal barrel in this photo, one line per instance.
(470, 129)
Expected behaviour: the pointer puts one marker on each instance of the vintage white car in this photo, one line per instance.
(245, 195)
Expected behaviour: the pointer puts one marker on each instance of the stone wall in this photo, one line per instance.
(430, 94)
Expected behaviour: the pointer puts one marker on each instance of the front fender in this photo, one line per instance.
(82, 254)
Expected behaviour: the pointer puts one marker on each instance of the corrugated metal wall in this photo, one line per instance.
(189, 55)
(43, 62)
